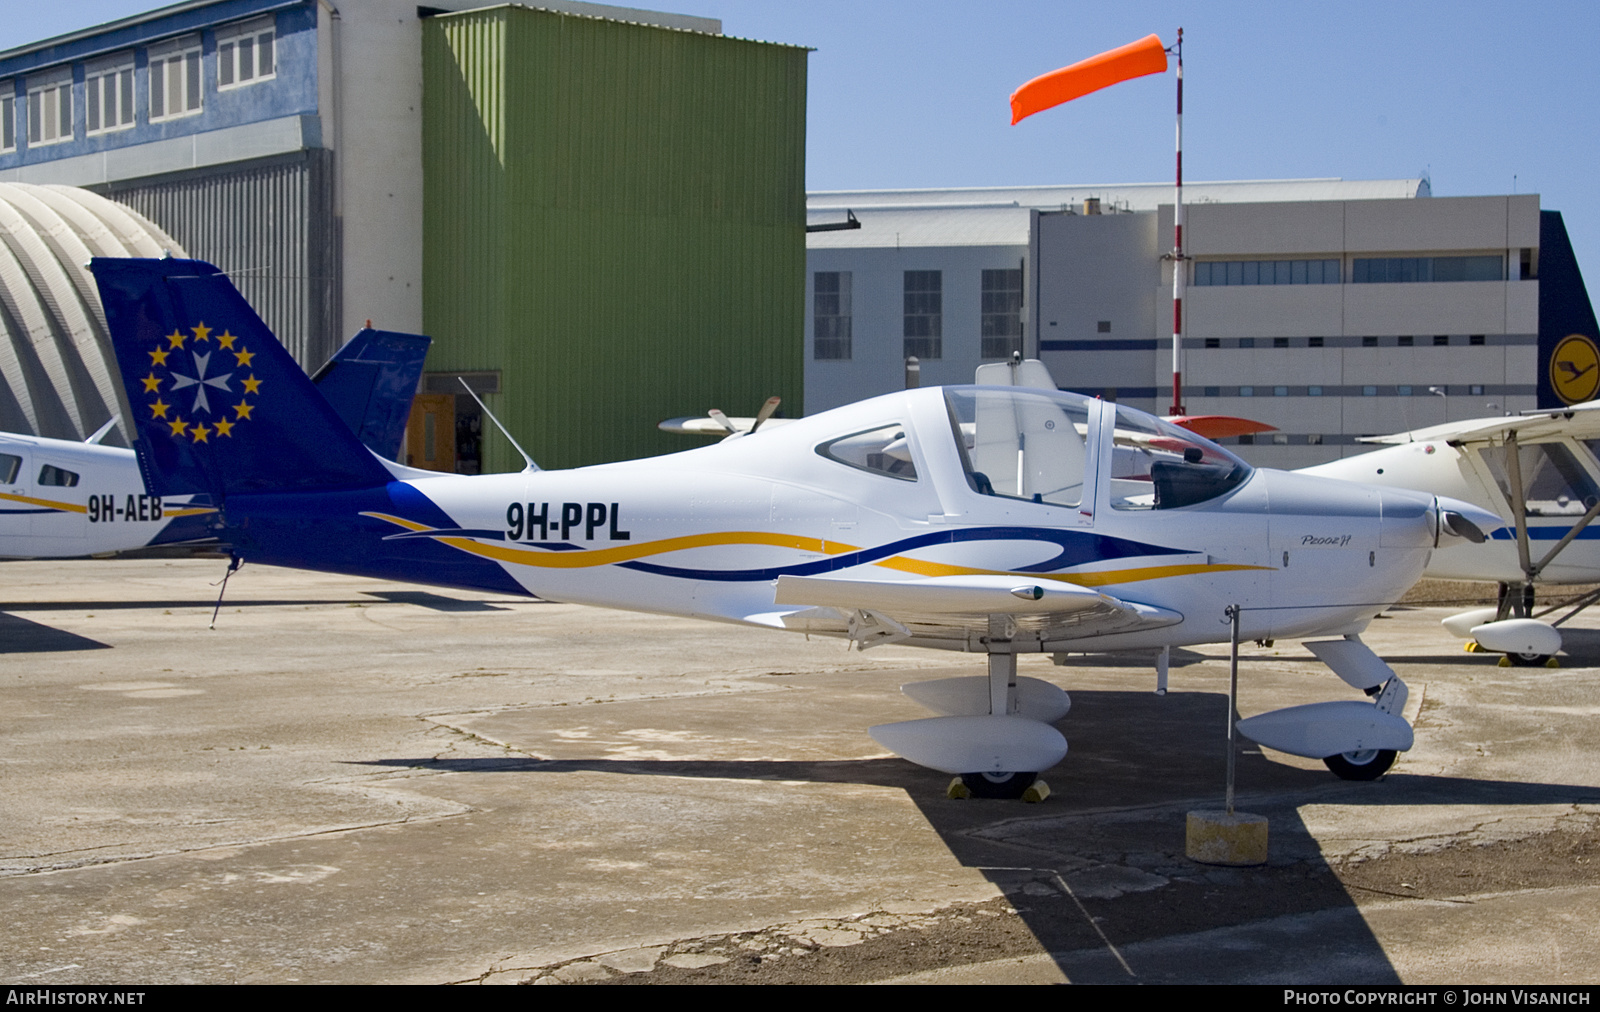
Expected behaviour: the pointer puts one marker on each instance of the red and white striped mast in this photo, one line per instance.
(1177, 252)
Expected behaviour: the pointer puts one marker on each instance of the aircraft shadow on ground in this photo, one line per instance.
(437, 602)
(23, 636)
(1138, 763)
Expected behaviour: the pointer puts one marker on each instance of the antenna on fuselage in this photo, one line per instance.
(485, 409)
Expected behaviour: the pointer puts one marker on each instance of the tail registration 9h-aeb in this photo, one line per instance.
(996, 520)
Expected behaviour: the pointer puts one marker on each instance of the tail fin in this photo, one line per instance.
(219, 406)
(371, 382)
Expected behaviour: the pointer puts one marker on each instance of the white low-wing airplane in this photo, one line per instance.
(1538, 471)
(997, 520)
(65, 499)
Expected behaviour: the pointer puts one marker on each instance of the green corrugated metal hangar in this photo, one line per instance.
(597, 212)
(615, 221)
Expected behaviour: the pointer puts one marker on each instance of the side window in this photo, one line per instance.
(883, 450)
(9, 466)
(49, 474)
(1021, 444)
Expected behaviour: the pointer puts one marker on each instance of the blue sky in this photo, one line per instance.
(1484, 98)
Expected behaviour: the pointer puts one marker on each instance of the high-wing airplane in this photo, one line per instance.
(63, 499)
(1538, 470)
(995, 520)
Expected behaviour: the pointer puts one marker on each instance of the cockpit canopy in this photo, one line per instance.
(1033, 445)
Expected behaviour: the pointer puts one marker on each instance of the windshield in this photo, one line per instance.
(1157, 465)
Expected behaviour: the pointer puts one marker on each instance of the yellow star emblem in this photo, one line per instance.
(243, 356)
(243, 409)
(224, 427)
(158, 409)
(252, 385)
(177, 426)
(177, 338)
(225, 340)
(201, 331)
(151, 383)
(200, 432)
(159, 356)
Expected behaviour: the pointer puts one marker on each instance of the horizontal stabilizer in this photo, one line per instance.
(986, 744)
(1320, 730)
(371, 382)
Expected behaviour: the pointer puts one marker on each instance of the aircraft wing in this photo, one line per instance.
(1580, 421)
(952, 609)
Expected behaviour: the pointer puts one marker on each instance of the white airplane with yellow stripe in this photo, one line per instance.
(987, 519)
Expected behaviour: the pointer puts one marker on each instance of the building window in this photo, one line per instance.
(1397, 270)
(1247, 342)
(1280, 342)
(1313, 342)
(108, 95)
(1369, 391)
(50, 107)
(1475, 339)
(1102, 326)
(1266, 272)
(1475, 390)
(1314, 439)
(924, 305)
(1441, 340)
(1406, 340)
(1403, 391)
(831, 310)
(1247, 391)
(8, 115)
(245, 53)
(1313, 391)
(1369, 342)
(1002, 313)
(1213, 391)
(1280, 391)
(1213, 342)
(175, 84)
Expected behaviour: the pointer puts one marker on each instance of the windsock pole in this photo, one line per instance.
(1177, 254)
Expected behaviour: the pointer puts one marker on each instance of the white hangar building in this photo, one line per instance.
(1330, 309)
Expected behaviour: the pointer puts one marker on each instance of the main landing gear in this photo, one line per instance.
(995, 734)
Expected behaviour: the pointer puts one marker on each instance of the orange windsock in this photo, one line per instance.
(1136, 59)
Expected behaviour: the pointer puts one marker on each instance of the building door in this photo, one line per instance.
(431, 433)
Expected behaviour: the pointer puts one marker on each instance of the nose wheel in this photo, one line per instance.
(1366, 764)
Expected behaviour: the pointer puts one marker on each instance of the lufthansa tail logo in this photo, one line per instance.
(1575, 369)
(201, 384)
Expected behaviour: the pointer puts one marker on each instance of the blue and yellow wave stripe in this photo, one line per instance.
(1076, 548)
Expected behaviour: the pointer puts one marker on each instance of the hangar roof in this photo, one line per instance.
(998, 215)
